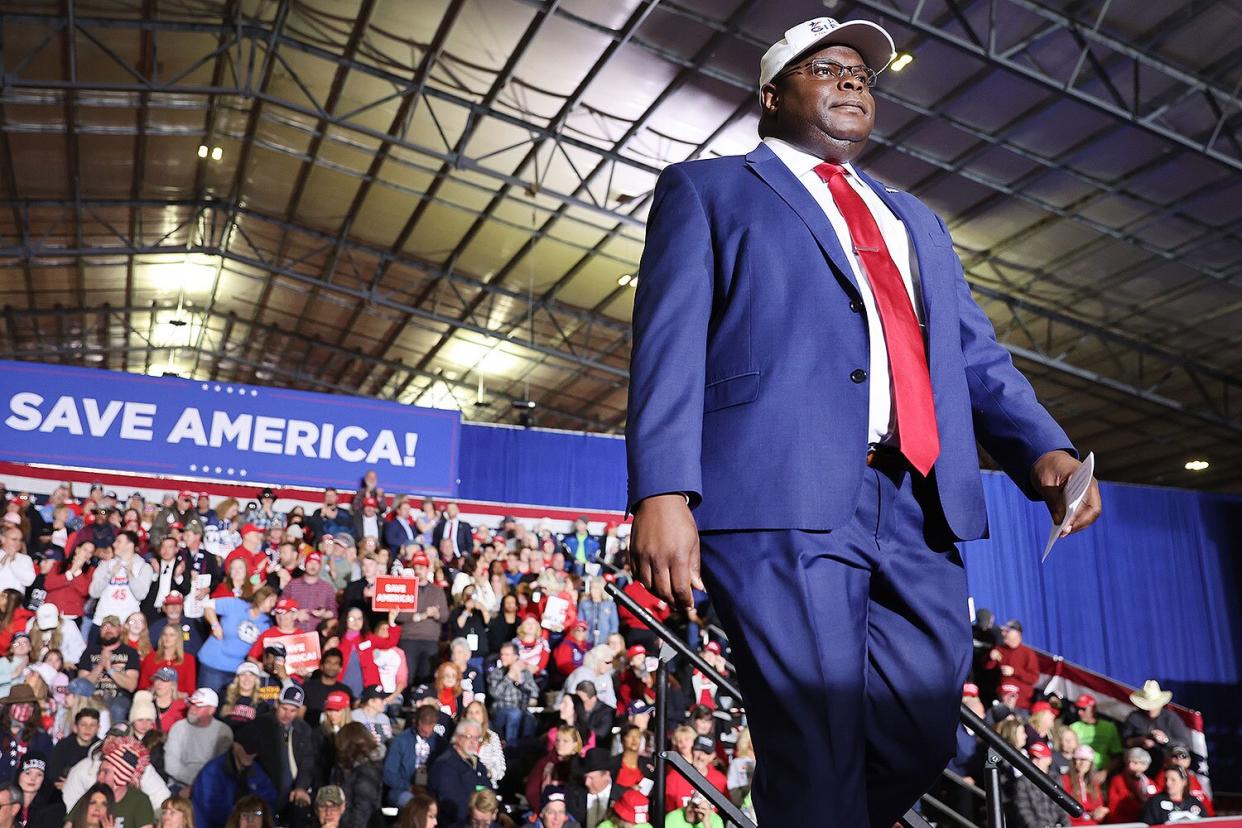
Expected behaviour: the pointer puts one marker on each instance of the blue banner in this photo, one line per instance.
(56, 414)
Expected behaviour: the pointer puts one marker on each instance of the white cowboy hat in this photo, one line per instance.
(1151, 696)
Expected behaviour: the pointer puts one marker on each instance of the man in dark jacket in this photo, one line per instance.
(411, 754)
(288, 756)
(227, 778)
(459, 533)
(458, 773)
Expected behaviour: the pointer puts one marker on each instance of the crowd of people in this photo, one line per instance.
(1139, 769)
(200, 662)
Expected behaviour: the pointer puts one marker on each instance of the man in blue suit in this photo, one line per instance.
(809, 378)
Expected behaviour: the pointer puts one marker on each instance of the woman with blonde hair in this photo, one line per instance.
(556, 766)
(170, 652)
(240, 700)
(1013, 731)
(741, 767)
(533, 649)
(176, 812)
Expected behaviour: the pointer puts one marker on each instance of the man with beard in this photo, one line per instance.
(323, 681)
(197, 739)
(113, 667)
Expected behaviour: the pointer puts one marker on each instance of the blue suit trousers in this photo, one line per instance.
(851, 648)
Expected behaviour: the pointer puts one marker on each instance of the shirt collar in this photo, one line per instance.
(799, 161)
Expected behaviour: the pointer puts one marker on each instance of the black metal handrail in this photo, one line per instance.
(682, 648)
(672, 645)
(998, 748)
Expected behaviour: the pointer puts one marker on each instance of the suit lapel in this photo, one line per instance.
(777, 176)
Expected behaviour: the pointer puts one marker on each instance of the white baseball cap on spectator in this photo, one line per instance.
(205, 697)
(249, 667)
(870, 40)
(47, 616)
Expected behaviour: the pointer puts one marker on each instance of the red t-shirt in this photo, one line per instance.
(187, 672)
(677, 791)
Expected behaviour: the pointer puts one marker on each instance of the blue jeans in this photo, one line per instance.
(215, 679)
(512, 724)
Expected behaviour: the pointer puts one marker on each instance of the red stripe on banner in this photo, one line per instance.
(1053, 666)
(248, 491)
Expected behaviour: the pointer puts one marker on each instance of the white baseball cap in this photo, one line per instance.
(867, 38)
(205, 697)
(47, 616)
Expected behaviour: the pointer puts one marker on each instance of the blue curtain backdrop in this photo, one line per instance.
(541, 468)
(1149, 592)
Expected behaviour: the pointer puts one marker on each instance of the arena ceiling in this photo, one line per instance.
(442, 202)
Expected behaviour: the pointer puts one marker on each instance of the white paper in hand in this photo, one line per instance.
(1075, 490)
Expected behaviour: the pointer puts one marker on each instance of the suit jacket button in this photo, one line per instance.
(856, 306)
(858, 375)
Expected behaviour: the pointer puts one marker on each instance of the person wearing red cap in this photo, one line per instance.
(636, 632)
(1031, 808)
(420, 629)
(630, 809)
(1006, 704)
(368, 521)
(1039, 723)
(285, 613)
(181, 511)
(252, 553)
(569, 654)
(315, 597)
(1101, 735)
(636, 681)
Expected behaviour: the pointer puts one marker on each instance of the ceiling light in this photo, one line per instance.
(900, 62)
(216, 153)
(202, 150)
(624, 279)
(1196, 465)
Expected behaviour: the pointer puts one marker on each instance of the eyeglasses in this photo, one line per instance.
(329, 805)
(824, 69)
(252, 814)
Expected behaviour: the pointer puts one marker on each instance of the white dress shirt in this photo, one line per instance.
(880, 426)
(597, 807)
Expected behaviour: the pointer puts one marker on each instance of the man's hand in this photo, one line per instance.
(1006, 670)
(299, 797)
(664, 548)
(1048, 476)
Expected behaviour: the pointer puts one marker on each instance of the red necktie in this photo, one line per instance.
(917, 434)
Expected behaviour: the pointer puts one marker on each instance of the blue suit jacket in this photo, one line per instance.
(747, 327)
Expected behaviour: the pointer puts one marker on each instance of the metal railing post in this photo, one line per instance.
(992, 788)
(661, 729)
